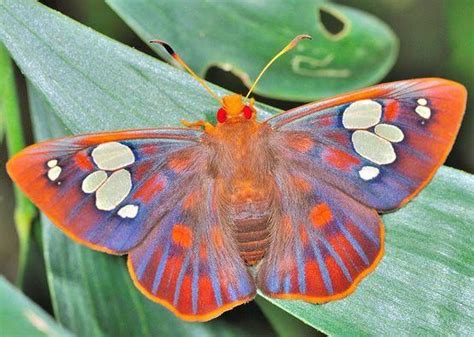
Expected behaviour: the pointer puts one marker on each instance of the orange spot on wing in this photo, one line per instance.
(301, 183)
(391, 111)
(320, 215)
(82, 160)
(182, 235)
(300, 142)
(189, 201)
(341, 159)
(178, 164)
(149, 189)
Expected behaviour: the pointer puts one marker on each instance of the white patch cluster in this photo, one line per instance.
(54, 170)
(362, 114)
(111, 190)
(422, 110)
(390, 132)
(374, 146)
(112, 156)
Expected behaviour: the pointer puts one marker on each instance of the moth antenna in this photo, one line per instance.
(178, 59)
(288, 47)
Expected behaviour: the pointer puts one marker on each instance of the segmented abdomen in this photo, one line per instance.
(251, 229)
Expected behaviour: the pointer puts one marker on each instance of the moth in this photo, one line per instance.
(289, 205)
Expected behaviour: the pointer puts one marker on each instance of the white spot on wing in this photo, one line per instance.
(52, 163)
(373, 147)
(362, 114)
(128, 211)
(422, 101)
(389, 132)
(54, 172)
(114, 190)
(368, 172)
(423, 111)
(112, 156)
(93, 181)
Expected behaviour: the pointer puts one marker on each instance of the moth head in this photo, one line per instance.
(233, 107)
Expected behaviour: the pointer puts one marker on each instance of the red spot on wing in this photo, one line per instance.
(190, 200)
(206, 295)
(83, 161)
(185, 296)
(391, 110)
(300, 142)
(348, 254)
(149, 189)
(167, 285)
(301, 183)
(338, 279)
(340, 159)
(142, 170)
(178, 164)
(303, 235)
(314, 279)
(320, 215)
(182, 235)
(180, 161)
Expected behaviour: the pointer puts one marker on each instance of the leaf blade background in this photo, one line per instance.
(19, 316)
(80, 79)
(244, 35)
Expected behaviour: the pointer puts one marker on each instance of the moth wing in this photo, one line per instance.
(324, 245)
(379, 145)
(108, 190)
(190, 263)
(145, 193)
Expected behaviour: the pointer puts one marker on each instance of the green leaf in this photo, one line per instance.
(460, 31)
(19, 316)
(10, 123)
(284, 324)
(242, 36)
(89, 82)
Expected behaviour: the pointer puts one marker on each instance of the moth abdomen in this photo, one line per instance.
(251, 227)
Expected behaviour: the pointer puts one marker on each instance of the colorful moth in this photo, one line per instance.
(209, 213)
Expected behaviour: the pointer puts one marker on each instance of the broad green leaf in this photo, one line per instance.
(460, 29)
(89, 82)
(284, 324)
(242, 36)
(10, 124)
(19, 316)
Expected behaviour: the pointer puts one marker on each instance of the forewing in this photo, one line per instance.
(189, 263)
(325, 243)
(108, 190)
(380, 145)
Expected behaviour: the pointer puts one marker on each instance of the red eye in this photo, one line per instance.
(247, 112)
(221, 115)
